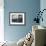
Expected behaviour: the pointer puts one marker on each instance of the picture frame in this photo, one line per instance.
(17, 18)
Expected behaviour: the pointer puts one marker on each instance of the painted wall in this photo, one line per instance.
(43, 6)
(14, 33)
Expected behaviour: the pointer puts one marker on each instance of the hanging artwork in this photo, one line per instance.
(17, 18)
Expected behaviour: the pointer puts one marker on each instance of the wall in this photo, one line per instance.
(14, 33)
(43, 6)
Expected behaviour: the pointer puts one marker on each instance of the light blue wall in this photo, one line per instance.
(43, 6)
(14, 33)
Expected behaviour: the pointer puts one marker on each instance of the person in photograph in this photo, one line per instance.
(14, 18)
(19, 18)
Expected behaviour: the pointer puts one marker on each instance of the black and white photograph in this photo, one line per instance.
(17, 18)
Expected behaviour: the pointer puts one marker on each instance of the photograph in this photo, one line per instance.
(17, 18)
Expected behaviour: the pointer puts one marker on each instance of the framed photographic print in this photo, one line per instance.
(17, 18)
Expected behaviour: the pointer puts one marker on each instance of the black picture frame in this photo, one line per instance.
(17, 18)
